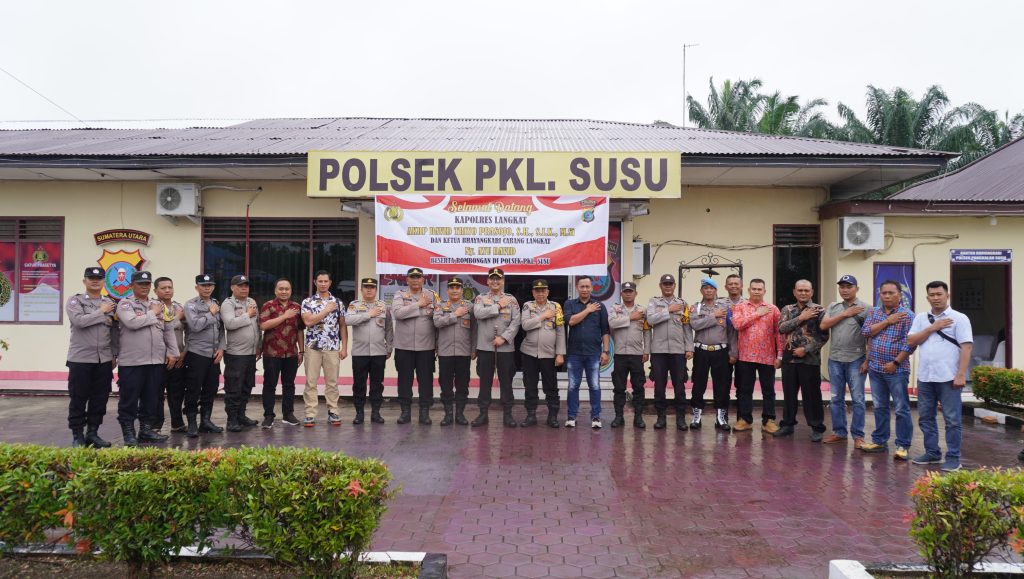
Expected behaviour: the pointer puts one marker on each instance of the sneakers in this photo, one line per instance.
(722, 419)
(268, 422)
(695, 423)
(858, 443)
(951, 465)
(770, 426)
(741, 425)
(902, 453)
(570, 423)
(833, 439)
(290, 419)
(873, 448)
(595, 423)
(333, 419)
(309, 422)
(927, 459)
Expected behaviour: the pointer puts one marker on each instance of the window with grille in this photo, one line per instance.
(31, 270)
(797, 251)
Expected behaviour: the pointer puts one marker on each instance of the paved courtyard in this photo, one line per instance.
(541, 502)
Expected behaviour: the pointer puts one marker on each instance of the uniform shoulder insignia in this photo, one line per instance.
(125, 305)
(437, 297)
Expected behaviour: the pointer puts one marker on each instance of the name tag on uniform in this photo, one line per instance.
(465, 323)
(380, 322)
(549, 324)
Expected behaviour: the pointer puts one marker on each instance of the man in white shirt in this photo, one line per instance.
(944, 341)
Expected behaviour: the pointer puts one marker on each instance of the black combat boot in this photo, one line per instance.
(128, 434)
(460, 416)
(359, 416)
(233, 424)
(448, 418)
(406, 416)
(531, 418)
(375, 416)
(697, 415)
(192, 431)
(207, 425)
(553, 416)
(481, 418)
(638, 416)
(722, 420)
(681, 420)
(77, 438)
(147, 434)
(425, 415)
(661, 422)
(157, 426)
(618, 420)
(92, 438)
(508, 419)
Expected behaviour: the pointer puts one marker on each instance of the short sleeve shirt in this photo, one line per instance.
(937, 358)
(848, 343)
(281, 341)
(325, 335)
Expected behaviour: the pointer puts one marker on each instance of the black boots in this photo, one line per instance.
(234, 425)
(359, 416)
(460, 417)
(553, 416)
(697, 413)
(375, 416)
(638, 418)
(448, 417)
(425, 415)
(618, 420)
(207, 425)
(192, 430)
(507, 419)
(722, 420)
(681, 420)
(128, 434)
(481, 419)
(147, 434)
(245, 421)
(531, 418)
(661, 422)
(92, 438)
(406, 416)
(77, 438)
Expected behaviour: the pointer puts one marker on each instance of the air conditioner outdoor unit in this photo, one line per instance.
(865, 233)
(641, 259)
(177, 199)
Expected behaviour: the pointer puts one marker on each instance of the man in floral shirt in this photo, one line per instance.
(801, 361)
(759, 354)
(283, 349)
(326, 346)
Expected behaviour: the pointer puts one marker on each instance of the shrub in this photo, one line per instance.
(1002, 385)
(32, 479)
(963, 516)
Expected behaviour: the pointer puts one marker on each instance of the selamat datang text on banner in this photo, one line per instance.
(469, 234)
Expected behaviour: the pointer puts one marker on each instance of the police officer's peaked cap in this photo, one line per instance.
(94, 272)
(239, 280)
(628, 286)
(455, 282)
(414, 272)
(142, 277)
(496, 272)
(369, 282)
(667, 278)
(540, 284)
(205, 279)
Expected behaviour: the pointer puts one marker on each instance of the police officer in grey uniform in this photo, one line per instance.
(147, 348)
(711, 353)
(205, 344)
(240, 316)
(92, 355)
(671, 347)
(415, 344)
(543, 348)
(456, 338)
(497, 316)
(372, 342)
(632, 337)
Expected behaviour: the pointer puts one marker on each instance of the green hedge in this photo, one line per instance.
(963, 516)
(1002, 385)
(304, 507)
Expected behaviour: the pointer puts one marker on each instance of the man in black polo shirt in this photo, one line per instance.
(587, 349)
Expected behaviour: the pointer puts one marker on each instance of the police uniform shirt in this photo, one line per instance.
(145, 338)
(706, 327)
(493, 321)
(93, 333)
(456, 335)
(370, 336)
(544, 338)
(243, 332)
(177, 325)
(632, 337)
(204, 333)
(414, 326)
(670, 331)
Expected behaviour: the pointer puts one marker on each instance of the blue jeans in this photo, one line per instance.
(575, 366)
(928, 393)
(841, 374)
(884, 386)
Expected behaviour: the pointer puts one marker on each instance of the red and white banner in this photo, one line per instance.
(470, 234)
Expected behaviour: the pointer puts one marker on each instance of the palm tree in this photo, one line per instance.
(784, 116)
(736, 107)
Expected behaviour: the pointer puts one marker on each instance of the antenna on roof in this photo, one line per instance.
(686, 105)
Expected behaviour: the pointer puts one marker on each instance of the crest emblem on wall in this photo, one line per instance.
(120, 265)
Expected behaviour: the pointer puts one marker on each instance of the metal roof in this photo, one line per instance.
(998, 176)
(272, 137)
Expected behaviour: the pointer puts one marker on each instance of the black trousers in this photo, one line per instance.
(285, 370)
(746, 372)
(138, 388)
(804, 379)
(717, 365)
(662, 365)
(420, 363)
(372, 368)
(629, 367)
(174, 386)
(486, 364)
(202, 377)
(89, 389)
(239, 380)
(453, 376)
(544, 369)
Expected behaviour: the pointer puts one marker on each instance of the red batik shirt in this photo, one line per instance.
(284, 340)
(759, 340)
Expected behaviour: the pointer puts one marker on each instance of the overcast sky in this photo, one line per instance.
(623, 61)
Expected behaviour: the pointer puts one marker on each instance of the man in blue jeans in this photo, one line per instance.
(586, 349)
(886, 328)
(847, 362)
(945, 342)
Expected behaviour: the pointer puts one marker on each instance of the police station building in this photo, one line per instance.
(287, 197)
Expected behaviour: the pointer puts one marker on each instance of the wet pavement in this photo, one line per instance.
(541, 502)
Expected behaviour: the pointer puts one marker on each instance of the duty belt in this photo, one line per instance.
(711, 347)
